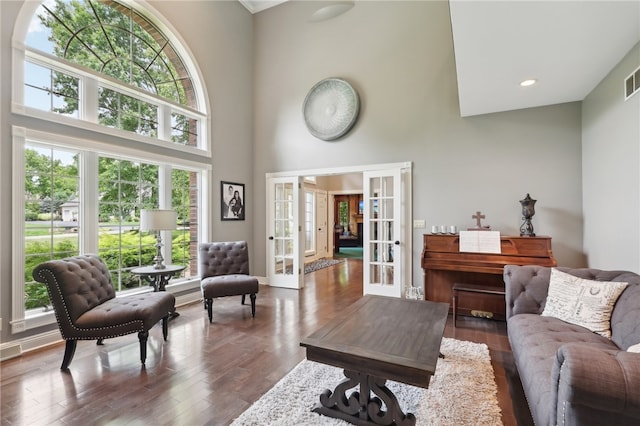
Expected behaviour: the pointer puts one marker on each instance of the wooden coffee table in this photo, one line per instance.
(378, 339)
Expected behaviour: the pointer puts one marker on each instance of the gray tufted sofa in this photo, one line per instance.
(224, 270)
(86, 308)
(570, 375)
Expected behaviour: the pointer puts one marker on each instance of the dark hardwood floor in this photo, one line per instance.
(210, 373)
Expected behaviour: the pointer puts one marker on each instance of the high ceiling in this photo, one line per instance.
(568, 46)
(255, 6)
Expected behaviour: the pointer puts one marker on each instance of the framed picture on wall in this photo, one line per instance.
(232, 201)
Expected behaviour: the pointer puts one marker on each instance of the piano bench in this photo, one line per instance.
(471, 288)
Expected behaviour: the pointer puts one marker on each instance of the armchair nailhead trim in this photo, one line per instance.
(138, 322)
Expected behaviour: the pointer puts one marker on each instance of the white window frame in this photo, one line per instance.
(88, 105)
(21, 319)
(90, 81)
(200, 157)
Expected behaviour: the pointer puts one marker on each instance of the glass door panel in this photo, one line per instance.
(284, 239)
(382, 245)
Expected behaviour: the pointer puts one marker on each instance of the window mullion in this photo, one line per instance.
(18, 309)
(89, 199)
(89, 99)
(164, 122)
(164, 199)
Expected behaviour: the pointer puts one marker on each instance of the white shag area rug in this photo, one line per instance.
(462, 392)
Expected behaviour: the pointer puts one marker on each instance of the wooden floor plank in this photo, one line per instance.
(207, 374)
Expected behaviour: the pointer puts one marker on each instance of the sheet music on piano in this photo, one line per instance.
(480, 241)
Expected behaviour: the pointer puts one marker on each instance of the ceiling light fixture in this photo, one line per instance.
(331, 11)
(529, 82)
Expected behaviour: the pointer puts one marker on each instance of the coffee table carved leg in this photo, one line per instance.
(338, 400)
(361, 408)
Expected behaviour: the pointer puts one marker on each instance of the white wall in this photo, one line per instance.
(399, 56)
(611, 175)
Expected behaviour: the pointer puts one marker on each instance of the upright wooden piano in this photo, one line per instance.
(444, 265)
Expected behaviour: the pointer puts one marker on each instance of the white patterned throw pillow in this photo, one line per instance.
(582, 302)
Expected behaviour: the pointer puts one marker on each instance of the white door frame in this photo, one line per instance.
(322, 224)
(407, 205)
(285, 250)
(385, 249)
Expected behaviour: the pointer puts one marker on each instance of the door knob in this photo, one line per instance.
(396, 243)
(271, 238)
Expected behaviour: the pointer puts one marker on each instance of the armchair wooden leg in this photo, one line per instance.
(243, 298)
(69, 351)
(143, 336)
(165, 327)
(253, 304)
(209, 303)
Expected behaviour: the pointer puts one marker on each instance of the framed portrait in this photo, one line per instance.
(232, 201)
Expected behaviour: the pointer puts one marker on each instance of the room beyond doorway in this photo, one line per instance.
(349, 253)
(348, 221)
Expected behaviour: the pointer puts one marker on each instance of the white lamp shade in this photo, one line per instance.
(157, 220)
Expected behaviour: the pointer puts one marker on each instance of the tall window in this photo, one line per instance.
(54, 206)
(51, 213)
(125, 187)
(343, 214)
(107, 68)
(310, 221)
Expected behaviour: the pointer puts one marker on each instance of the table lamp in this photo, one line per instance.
(157, 221)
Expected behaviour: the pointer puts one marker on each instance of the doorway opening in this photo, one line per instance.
(348, 217)
(367, 208)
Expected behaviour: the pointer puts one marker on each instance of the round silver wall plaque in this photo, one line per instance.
(331, 109)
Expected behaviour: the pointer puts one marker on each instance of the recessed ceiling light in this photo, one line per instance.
(529, 82)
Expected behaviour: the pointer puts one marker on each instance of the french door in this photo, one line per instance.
(383, 238)
(285, 247)
(386, 231)
(322, 236)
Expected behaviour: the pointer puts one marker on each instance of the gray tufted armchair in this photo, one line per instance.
(224, 269)
(86, 308)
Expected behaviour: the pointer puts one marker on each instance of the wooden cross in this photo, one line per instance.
(478, 216)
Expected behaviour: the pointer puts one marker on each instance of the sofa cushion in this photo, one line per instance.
(534, 341)
(583, 302)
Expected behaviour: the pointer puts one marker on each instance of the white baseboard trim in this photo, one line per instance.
(188, 298)
(10, 350)
(18, 347)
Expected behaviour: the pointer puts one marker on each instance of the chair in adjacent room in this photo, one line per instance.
(86, 307)
(224, 269)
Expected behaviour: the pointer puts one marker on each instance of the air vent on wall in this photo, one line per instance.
(632, 84)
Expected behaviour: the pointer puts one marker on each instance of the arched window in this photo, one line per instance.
(116, 71)
(104, 62)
